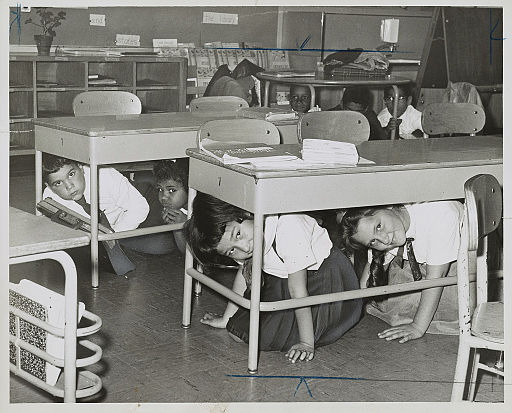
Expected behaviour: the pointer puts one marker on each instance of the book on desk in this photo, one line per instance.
(242, 153)
(268, 114)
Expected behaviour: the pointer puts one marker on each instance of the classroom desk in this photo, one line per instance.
(404, 171)
(33, 238)
(102, 140)
(313, 82)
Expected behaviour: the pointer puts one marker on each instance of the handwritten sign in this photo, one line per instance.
(220, 18)
(165, 42)
(97, 19)
(127, 40)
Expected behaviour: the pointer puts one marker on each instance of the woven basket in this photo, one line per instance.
(354, 73)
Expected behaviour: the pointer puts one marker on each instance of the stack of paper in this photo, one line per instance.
(329, 152)
(269, 114)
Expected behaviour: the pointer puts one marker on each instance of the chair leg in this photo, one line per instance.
(474, 375)
(197, 284)
(459, 380)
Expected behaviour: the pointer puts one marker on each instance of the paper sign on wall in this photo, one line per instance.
(220, 18)
(127, 40)
(165, 42)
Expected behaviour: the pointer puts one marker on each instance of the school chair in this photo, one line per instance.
(240, 130)
(340, 125)
(106, 102)
(111, 102)
(483, 327)
(446, 118)
(217, 104)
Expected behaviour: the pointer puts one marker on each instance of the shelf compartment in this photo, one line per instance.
(60, 74)
(55, 103)
(120, 72)
(21, 135)
(21, 104)
(162, 100)
(20, 74)
(157, 74)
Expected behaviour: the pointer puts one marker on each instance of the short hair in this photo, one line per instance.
(177, 170)
(360, 95)
(53, 163)
(306, 88)
(206, 226)
(403, 90)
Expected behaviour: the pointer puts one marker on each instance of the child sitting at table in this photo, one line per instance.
(298, 260)
(121, 206)
(167, 196)
(359, 99)
(390, 232)
(408, 121)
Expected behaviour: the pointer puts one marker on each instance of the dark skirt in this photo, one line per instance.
(278, 329)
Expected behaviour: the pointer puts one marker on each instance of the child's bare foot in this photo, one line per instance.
(214, 320)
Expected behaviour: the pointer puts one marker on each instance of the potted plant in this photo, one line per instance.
(49, 21)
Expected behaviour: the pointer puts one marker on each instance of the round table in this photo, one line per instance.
(313, 81)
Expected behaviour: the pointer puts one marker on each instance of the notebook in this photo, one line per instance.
(242, 153)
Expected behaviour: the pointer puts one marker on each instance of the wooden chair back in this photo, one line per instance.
(341, 125)
(483, 211)
(106, 102)
(217, 104)
(440, 118)
(237, 130)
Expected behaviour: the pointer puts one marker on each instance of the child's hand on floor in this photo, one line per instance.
(404, 332)
(214, 320)
(173, 216)
(300, 351)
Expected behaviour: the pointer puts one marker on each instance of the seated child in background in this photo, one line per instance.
(298, 260)
(167, 197)
(300, 99)
(409, 119)
(359, 99)
(435, 229)
(121, 206)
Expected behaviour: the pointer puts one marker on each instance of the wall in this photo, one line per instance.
(183, 23)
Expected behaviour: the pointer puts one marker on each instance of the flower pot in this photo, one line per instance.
(44, 43)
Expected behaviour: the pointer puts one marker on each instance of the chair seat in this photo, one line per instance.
(487, 322)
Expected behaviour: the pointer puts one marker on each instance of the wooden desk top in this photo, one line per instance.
(310, 80)
(109, 125)
(30, 234)
(403, 154)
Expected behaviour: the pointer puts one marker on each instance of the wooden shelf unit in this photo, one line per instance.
(45, 86)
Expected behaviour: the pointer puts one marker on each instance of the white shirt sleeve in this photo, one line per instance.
(116, 190)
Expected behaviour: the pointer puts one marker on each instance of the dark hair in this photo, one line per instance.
(403, 90)
(294, 87)
(53, 163)
(205, 228)
(349, 223)
(360, 95)
(177, 170)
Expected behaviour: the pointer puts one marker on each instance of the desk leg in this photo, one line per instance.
(255, 293)
(189, 263)
(94, 224)
(39, 178)
(71, 314)
(395, 109)
(267, 93)
(313, 96)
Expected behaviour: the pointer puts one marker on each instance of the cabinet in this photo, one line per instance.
(45, 86)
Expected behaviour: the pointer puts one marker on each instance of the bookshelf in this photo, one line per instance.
(45, 86)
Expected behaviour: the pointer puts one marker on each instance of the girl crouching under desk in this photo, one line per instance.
(298, 260)
(390, 233)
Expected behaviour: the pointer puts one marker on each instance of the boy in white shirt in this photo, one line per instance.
(121, 206)
(409, 118)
